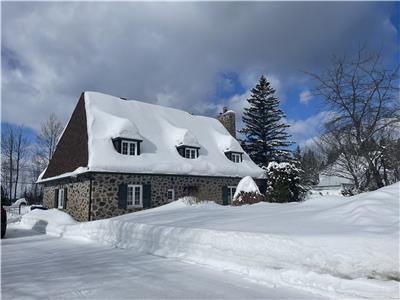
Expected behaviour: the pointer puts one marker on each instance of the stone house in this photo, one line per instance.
(117, 156)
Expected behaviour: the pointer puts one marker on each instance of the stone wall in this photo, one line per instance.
(105, 190)
(77, 197)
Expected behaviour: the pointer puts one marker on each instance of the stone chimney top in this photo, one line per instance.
(228, 119)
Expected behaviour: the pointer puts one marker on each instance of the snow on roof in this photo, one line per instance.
(162, 129)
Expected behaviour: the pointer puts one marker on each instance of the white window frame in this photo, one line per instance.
(190, 153)
(133, 187)
(236, 157)
(173, 195)
(231, 190)
(129, 145)
(61, 198)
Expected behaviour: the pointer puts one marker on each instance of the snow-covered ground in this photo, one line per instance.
(332, 246)
(45, 267)
(15, 212)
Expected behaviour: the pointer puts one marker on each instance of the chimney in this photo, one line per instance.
(227, 118)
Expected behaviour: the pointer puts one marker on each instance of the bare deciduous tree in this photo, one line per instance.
(7, 153)
(362, 94)
(14, 148)
(48, 136)
(21, 150)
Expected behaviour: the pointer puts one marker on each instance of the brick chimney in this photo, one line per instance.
(227, 118)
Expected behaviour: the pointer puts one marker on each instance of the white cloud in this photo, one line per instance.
(305, 96)
(167, 53)
(304, 131)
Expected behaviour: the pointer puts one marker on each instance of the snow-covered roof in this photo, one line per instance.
(161, 130)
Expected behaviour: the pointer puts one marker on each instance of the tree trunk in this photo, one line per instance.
(17, 173)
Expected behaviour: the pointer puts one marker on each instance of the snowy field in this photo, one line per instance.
(330, 246)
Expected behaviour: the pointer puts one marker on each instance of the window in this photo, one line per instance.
(129, 148)
(135, 196)
(236, 157)
(60, 198)
(231, 193)
(190, 153)
(171, 195)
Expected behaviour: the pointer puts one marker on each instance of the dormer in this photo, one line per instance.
(190, 152)
(235, 156)
(187, 144)
(127, 146)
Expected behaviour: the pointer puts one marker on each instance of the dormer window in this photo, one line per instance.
(188, 151)
(127, 146)
(236, 157)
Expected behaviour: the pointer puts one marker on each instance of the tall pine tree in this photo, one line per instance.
(266, 139)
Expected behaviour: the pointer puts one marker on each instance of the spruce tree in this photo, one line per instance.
(266, 139)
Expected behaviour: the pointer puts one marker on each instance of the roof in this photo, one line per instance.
(161, 129)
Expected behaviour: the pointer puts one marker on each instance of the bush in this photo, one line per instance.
(248, 198)
(347, 192)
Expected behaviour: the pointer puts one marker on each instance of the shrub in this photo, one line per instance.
(248, 198)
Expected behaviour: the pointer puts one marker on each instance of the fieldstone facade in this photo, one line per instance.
(78, 192)
(101, 190)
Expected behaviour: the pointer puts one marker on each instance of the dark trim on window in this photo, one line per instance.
(118, 141)
(228, 154)
(182, 148)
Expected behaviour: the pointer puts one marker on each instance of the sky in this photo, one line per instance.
(198, 57)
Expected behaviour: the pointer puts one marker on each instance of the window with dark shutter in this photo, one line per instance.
(56, 198)
(135, 195)
(122, 195)
(146, 196)
(225, 195)
(65, 198)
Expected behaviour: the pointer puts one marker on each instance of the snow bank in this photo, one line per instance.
(52, 221)
(330, 245)
(247, 185)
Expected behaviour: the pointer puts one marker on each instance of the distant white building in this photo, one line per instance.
(333, 182)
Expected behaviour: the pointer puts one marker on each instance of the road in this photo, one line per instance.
(36, 266)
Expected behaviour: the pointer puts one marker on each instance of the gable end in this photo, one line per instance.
(72, 149)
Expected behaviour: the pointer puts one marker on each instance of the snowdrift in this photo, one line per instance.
(328, 245)
(52, 221)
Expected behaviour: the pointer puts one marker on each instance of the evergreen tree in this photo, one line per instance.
(284, 183)
(265, 133)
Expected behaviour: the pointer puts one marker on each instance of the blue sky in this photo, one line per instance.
(195, 56)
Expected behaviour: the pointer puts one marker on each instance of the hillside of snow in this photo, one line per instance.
(332, 245)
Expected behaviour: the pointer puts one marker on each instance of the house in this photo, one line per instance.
(333, 182)
(117, 156)
(334, 179)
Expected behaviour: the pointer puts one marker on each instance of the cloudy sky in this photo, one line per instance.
(195, 56)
